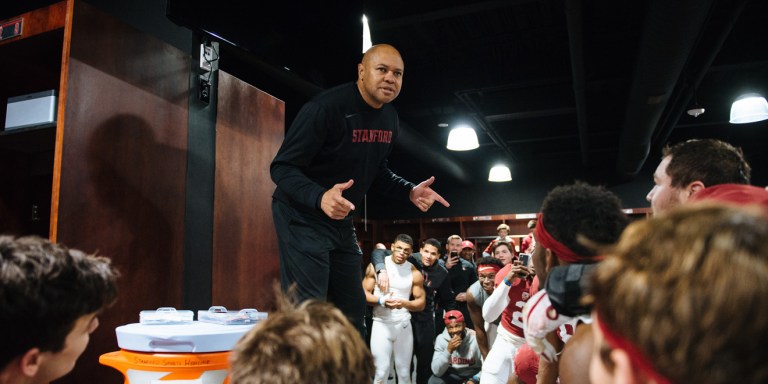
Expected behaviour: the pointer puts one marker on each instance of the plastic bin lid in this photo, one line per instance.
(194, 337)
(219, 315)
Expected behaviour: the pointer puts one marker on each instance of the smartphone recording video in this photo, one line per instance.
(524, 259)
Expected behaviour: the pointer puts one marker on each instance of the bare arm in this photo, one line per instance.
(574, 361)
(549, 371)
(417, 290)
(476, 314)
(368, 284)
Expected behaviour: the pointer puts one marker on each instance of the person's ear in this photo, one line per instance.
(360, 70)
(694, 188)
(30, 362)
(550, 259)
(623, 371)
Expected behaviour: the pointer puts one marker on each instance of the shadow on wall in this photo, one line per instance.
(123, 210)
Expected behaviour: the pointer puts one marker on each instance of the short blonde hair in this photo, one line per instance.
(502, 226)
(686, 289)
(309, 343)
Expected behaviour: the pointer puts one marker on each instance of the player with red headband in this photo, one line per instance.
(573, 219)
(477, 294)
(691, 317)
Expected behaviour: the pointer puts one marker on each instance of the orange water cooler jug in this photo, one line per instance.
(193, 352)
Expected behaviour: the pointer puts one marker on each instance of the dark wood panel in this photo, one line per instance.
(390, 230)
(249, 131)
(440, 231)
(40, 20)
(123, 165)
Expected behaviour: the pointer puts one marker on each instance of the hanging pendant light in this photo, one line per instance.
(462, 138)
(500, 173)
(748, 109)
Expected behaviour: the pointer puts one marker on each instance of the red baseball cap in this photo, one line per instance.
(467, 244)
(526, 364)
(453, 315)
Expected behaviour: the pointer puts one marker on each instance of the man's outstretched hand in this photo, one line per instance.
(334, 205)
(423, 196)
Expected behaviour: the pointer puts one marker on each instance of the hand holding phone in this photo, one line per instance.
(453, 259)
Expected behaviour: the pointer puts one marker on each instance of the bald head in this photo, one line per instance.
(380, 75)
(380, 49)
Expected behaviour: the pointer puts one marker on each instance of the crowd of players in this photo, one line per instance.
(586, 288)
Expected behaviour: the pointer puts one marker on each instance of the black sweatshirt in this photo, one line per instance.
(335, 137)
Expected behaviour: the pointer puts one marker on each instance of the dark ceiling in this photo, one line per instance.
(596, 87)
(601, 84)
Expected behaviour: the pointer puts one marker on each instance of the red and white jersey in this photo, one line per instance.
(565, 331)
(519, 293)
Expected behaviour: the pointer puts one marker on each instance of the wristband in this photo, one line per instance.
(381, 302)
(507, 282)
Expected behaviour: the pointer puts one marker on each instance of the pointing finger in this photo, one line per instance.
(344, 186)
(441, 200)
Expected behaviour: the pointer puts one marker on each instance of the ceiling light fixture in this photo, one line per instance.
(748, 109)
(462, 138)
(696, 109)
(499, 173)
(366, 34)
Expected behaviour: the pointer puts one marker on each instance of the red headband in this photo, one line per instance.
(635, 354)
(561, 251)
(735, 193)
(488, 268)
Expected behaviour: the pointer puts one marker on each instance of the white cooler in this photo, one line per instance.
(189, 352)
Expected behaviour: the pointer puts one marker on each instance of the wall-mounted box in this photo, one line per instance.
(31, 110)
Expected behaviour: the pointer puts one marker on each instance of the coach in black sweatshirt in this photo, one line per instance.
(334, 152)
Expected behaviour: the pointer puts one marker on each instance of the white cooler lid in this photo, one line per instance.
(195, 337)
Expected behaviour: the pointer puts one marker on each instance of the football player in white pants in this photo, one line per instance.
(391, 330)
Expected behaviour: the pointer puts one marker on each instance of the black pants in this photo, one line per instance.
(423, 347)
(322, 258)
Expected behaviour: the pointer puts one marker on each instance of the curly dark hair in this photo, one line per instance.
(711, 161)
(584, 210)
